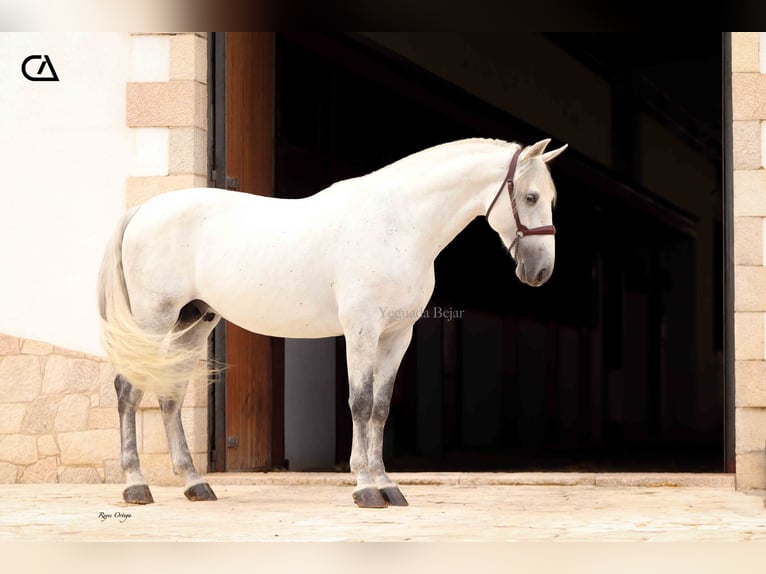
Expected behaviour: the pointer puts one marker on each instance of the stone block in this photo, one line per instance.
(745, 52)
(46, 445)
(750, 379)
(79, 475)
(749, 292)
(9, 345)
(11, 416)
(85, 376)
(748, 334)
(40, 416)
(113, 472)
(139, 429)
(751, 471)
(747, 144)
(157, 469)
(149, 401)
(103, 418)
(194, 421)
(8, 473)
(750, 429)
(749, 196)
(748, 102)
(200, 461)
(176, 103)
(188, 151)
(72, 413)
(43, 470)
(154, 439)
(29, 347)
(21, 377)
(188, 58)
(64, 374)
(107, 396)
(748, 240)
(90, 447)
(56, 376)
(64, 352)
(196, 392)
(18, 449)
(762, 142)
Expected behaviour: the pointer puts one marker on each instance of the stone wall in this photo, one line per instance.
(58, 419)
(54, 424)
(749, 137)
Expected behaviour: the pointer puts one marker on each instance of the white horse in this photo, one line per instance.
(321, 266)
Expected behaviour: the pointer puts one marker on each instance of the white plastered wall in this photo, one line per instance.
(65, 154)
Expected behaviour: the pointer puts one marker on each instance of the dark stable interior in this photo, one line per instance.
(604, 367)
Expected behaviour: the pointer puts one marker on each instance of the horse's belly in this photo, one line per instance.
(278, 309)
(284, 320)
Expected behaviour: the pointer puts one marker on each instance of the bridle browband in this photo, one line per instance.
(521, 229)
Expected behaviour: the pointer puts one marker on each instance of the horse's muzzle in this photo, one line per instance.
(533, 274)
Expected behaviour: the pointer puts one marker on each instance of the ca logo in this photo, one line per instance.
(39, 75)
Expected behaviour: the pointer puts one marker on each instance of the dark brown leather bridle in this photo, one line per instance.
(521, 229)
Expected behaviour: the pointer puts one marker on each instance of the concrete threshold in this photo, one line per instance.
(613, 480)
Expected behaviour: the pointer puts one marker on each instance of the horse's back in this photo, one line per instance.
(257, 261)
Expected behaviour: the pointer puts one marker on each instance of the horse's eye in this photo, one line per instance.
(532, 198)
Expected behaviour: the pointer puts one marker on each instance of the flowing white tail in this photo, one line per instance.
(160, 363)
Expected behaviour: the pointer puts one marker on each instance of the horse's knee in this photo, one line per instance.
(361, 403)
(380, 410)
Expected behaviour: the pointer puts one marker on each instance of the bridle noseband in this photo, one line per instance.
(521, 229)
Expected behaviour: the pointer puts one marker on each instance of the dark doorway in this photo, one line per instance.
(614, 364)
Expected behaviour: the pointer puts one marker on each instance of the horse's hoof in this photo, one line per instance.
(138, 494)
(369, 497)
(393, 496)
(200, 491)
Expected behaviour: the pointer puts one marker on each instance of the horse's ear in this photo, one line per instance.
(546, 157)
(535, 149)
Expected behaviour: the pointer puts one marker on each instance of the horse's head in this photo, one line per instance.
(527, 229)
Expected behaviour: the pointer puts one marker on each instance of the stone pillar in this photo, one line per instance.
(749, 135)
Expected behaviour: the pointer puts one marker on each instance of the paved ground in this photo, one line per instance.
(443, 507)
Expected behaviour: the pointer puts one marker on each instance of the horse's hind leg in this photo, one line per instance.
(196, 487)
(128, 398)
(391, 349)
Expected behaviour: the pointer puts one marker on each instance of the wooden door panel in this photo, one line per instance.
(253, 384)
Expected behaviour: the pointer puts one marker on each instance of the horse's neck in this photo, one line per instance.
(444, 198)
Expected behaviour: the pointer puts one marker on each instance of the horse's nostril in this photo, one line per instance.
(540, 275)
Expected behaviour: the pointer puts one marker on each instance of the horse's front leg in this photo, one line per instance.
(128, 398)
(391, 349)
(196, 487)
(360, 356)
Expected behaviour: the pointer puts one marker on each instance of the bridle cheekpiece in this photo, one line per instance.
(521, 229)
